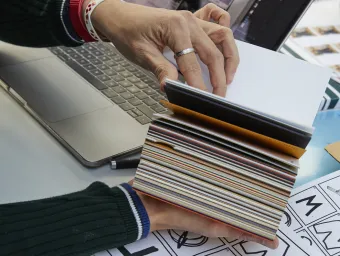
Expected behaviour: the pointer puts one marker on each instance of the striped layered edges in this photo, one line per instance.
(220, 177)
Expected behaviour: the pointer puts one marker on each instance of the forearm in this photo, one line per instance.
(81, 223)
(37, 23)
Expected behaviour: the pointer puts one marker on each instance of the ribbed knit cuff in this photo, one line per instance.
(141, 215)
(68, 24)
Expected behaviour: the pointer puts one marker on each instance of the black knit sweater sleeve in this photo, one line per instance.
(82, 223)
(37, 23)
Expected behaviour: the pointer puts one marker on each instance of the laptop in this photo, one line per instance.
(98, 104)
(265, 23)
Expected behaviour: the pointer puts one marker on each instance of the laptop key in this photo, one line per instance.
(157, 97)
(103, 67)
(118, 100)
(117, 58)
(111, 63)
(139, 74)
(147, 80)
(111, 83)
(137, 112)
(131, 113)
(125, 74)
(149, 91)
(146, 110)
(102, 47)
(68, 50)
(133, 89)
(141, 95)
(110, 53)
(89, 67)
(110, 72)
(76, 56)
(89, 47)
(85, 74)
(126, 106)
(141, 85)
(83, 61)
(96, 62)
(104, 58)
(82, 51)
(154, 85)
(131, 69)
(89, 56)
(125, 64)
(96, 72)
(118, 68)
(135, 102)
(143, 120)
(126, 95)
(119, 89)
(104, 78)
(125, 83)
(158, 108)
(109, 93)
(118, 78)
(97, 53)
(149, 102)
(133, 79)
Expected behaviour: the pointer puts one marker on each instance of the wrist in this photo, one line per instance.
(101, 17)
(156, 213)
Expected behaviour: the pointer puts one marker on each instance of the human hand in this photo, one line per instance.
(165, 216)
(141, 34)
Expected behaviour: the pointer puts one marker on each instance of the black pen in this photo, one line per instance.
(128, 163)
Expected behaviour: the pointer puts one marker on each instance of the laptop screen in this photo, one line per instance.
(265, 23)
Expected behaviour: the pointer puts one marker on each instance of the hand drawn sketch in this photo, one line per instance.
(327, 232)
(310, 205)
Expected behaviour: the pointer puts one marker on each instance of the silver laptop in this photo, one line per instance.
(98, 104)
(98, 114)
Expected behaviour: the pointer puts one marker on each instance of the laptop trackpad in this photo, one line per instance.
(52, 89)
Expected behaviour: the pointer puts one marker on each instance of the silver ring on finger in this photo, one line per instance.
(185, 51)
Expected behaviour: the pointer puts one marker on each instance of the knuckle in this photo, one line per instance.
(222, 33)
(227, 31)
(189, 16)
(178, 21)
(211, 6)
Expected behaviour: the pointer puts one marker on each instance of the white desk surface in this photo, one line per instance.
(34, 165)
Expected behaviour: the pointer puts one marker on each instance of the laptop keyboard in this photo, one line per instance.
(133, 89)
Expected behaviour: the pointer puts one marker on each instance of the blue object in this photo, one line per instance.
(317, 162)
